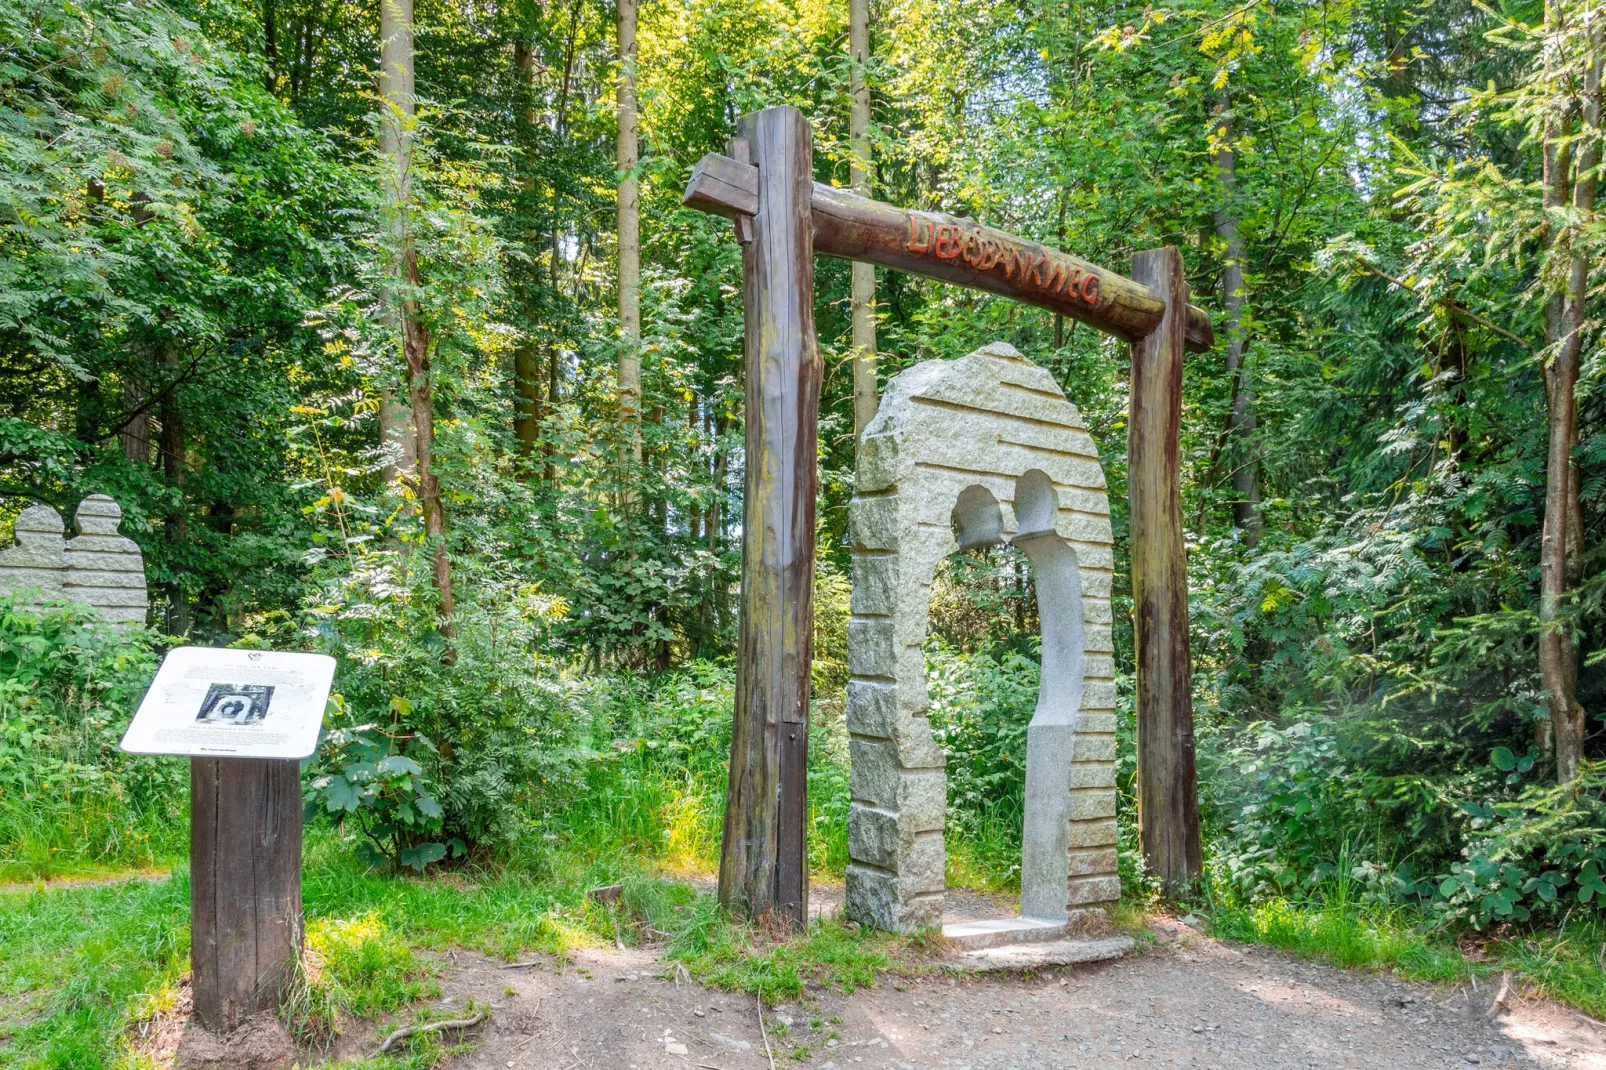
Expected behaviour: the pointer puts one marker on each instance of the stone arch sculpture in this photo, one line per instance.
(98, 567)
(967, 453)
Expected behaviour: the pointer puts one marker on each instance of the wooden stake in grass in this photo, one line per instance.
(245, 885)
(1167, 784)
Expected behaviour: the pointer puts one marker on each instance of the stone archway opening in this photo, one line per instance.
(978, 452)
(1053, 581)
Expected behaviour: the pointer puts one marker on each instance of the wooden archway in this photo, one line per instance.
(765, 185)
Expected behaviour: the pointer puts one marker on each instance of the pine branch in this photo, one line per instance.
(1460, 310)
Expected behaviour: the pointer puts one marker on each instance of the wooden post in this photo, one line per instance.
(245, 885)
(763, 865)
(1167, 785)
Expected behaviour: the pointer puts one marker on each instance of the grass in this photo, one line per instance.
(79, 964)
(1563, 965)
(76, 964)
(833, 954)
(54, 837)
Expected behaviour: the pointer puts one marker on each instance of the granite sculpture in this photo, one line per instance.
(98, 567)
(979, 451)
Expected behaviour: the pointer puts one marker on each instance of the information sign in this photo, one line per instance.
(207, 702)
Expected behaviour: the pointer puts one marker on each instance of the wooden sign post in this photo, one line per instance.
(245, 885)
(765, 186)
(246, 718)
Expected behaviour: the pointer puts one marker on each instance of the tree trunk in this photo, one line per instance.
(422, 396)
(862, 300)
(629, 222)
(527, 404)
(1241, 420)
(554, 386)
(416, 422)
(397, 433)
(135, 436)
(528, 382)
(1558, 562)
(176, 526)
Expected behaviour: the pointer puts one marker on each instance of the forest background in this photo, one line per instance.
(352, 365)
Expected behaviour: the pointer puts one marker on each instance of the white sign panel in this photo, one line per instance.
(233, 703)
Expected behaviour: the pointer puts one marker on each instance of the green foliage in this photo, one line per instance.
(384, 791)
(429, 754)
(1539, 856)
(70, 800)
(167, 227)
(980, 707)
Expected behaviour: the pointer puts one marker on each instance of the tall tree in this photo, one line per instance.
(398, 435)
(176, 526)
(629, 214)
(1572, 68)
(397, 126)
(862, 300)
(528, 380)
(1241, 417)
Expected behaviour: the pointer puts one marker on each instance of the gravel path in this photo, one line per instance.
(1188, 1002)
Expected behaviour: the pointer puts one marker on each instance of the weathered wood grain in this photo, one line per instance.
(955, 250)
(245, 885)
(723, 186)
(762, 863)
(1167, 785)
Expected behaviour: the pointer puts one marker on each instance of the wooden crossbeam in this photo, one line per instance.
(954, 250)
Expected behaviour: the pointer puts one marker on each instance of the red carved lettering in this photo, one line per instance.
(972, 253)
(1056, 276)
(994, 253)
(919, 235)
(1035, 263)
(1070, 283)
(1090, 289)
(950, 241)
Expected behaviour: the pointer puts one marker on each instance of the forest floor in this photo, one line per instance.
(1184, 1000)
(90, 969)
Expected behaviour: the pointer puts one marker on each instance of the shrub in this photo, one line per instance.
(980, 707)
(437, 745)
(1539, 856)
(69, 684)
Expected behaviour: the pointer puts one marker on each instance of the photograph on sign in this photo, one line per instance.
(240, 704)
(233, 703)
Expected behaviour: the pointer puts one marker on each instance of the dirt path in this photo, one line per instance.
(1189, 1002)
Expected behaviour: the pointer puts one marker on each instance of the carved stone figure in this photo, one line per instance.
(98, 567)
(967, 453)
(37, 562)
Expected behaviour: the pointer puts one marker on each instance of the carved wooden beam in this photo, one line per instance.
(952, 249)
